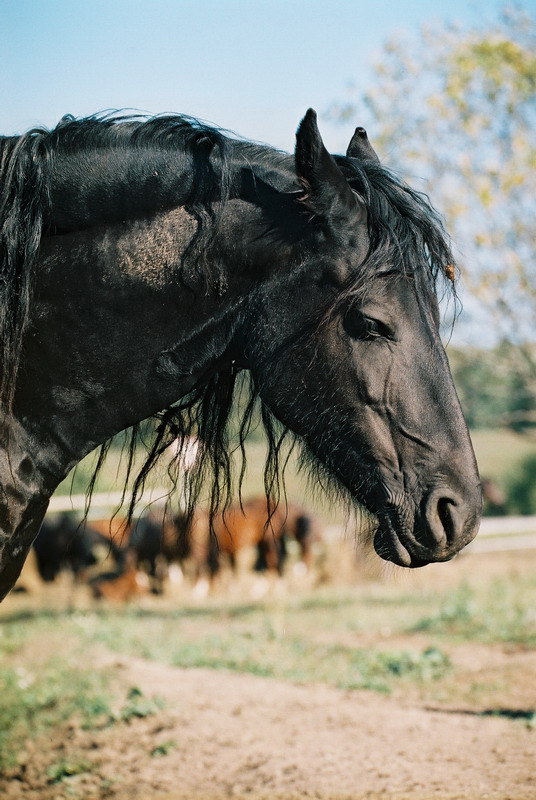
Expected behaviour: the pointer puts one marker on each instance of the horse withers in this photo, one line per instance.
(146, 263)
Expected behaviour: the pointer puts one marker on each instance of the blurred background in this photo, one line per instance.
(447, 92)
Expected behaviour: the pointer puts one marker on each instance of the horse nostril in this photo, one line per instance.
(443, 519)
(446, 513)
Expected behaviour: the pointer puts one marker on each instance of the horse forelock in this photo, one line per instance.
(406, 233)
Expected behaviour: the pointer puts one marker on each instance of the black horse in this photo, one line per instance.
(145, 263)
(65, 543)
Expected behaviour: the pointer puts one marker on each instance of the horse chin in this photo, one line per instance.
(390, 547)
(391, 537)
(400, 538)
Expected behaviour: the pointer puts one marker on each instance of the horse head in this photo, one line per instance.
(346, 352)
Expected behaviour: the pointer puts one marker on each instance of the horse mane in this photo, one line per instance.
(23, 202)
(220, 416)
(404, 231)
(26, 164)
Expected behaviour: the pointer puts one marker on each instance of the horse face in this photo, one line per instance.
(369, 388)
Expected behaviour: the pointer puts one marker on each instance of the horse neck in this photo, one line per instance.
(106, 382)
(99, 379)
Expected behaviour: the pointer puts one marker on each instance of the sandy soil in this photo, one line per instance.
(226, 735)
(240, 736)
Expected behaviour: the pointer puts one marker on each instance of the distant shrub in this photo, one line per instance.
(521, 487)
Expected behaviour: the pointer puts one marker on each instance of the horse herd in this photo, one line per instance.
(121, 560)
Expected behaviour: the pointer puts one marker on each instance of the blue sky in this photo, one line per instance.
(253, 66)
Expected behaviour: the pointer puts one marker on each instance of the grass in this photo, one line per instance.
(39, 696)
(318, 639)
(311, 638)
(300, 661)
(504, 613)
(499, 451)
(139, 706)
(64, 768)
(34, 701)
(164, 748)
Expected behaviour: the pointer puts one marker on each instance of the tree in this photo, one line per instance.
(458, 108)
(492, 391)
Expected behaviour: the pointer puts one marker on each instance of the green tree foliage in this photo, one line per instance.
(457, 108)
(521, 487)
(492, 391)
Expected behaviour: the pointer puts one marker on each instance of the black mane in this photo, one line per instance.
(405, 231)
(166, 161)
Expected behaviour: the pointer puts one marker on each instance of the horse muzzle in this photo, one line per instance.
(443, 525)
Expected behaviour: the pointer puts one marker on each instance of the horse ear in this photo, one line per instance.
(360, 147)
(323, 181)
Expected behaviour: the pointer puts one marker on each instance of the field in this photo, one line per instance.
(354, 681)
(499, 452)
(367, 684)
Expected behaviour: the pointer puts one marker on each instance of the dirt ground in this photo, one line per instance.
(240, 736)
(226, 735)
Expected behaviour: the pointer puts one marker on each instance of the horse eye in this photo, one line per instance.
(358, 326)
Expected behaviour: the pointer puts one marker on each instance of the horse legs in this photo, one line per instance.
(271, 552)
(304, 534)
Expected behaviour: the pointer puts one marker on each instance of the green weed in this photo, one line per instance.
(502, 613)
(164, 748)
(138, 705)
(62, 769)
(32, 702)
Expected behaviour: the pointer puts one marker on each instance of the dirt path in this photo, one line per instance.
(239, 736)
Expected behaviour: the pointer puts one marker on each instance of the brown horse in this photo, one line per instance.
(249, 525)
